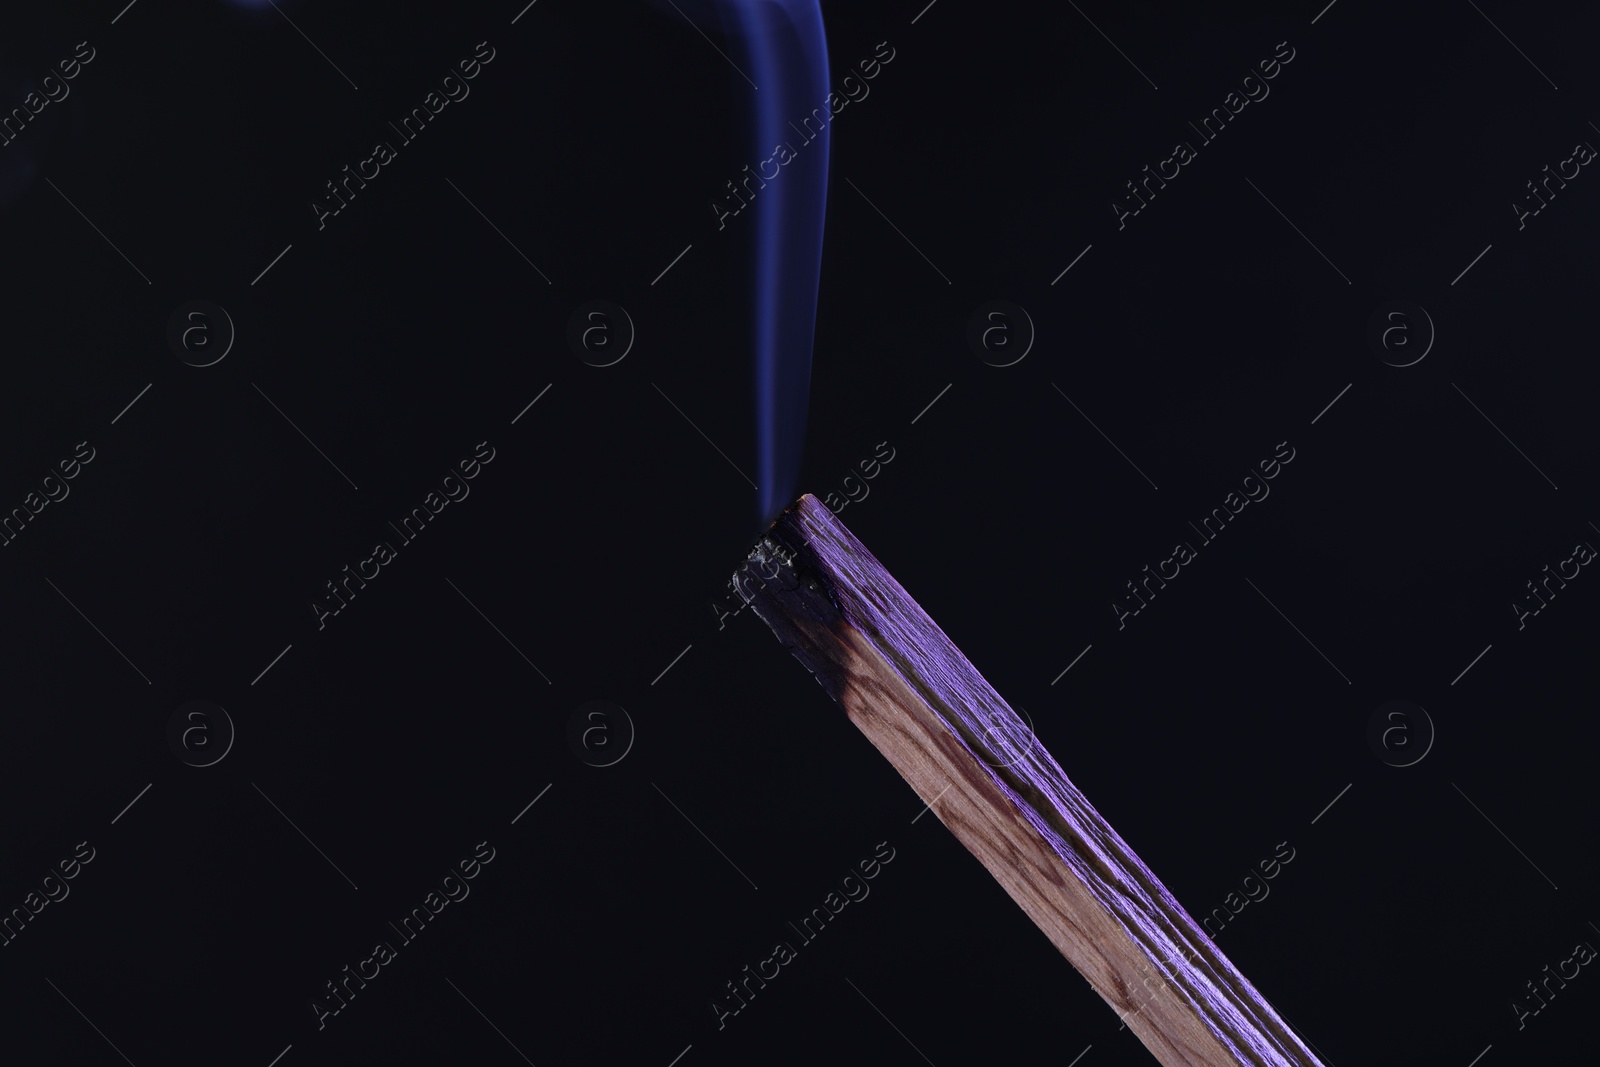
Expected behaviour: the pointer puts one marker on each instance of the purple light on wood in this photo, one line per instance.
(967, 754)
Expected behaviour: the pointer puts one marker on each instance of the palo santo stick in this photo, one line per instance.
(966, 753)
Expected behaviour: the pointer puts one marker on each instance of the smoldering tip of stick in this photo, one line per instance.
(785, 581)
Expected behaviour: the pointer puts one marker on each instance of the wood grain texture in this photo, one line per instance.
(967, 754)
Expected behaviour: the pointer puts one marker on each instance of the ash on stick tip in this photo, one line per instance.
(779, 561)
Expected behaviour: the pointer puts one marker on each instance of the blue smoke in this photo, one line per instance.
(780, 45)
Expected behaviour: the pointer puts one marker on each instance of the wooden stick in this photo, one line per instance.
(966, 753)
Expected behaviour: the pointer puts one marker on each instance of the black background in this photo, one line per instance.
(1212, 727)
